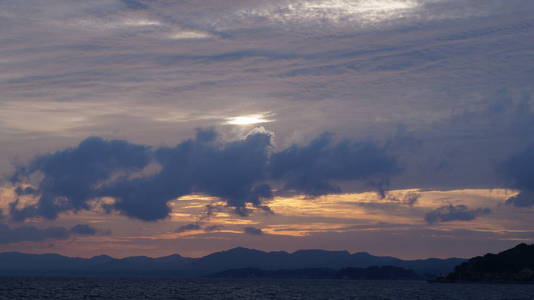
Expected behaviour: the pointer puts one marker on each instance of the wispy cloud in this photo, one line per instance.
(451, 213)
(10, 235)
(337, 11)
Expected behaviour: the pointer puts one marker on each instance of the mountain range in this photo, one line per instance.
(21, 264)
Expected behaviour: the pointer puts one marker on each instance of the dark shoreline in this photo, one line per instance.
(480, 282)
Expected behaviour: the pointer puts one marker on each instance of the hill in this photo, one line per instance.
(514, 265)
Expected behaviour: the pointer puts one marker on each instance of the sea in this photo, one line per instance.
(212, 289)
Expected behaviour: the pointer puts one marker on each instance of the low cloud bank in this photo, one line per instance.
(240, 173)
(10, 235)
(451, 213)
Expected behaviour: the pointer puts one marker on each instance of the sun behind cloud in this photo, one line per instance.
(249, 119)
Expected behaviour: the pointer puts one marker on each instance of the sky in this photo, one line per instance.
(153, 127)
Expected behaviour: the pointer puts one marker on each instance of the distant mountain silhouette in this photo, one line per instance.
(13, 263)
(370, 273)
(512, 265)
(248, 258)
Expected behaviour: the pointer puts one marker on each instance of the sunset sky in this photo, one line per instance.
(153, 127)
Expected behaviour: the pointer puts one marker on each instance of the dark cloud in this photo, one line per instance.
(518, 171)
(25, 191)
(236, 172)
(10, 235)
(135, 4)
(410, 198)
(451, 212)
(71, 176)
(83, 229)
(253, 231)
(212, 228)
(311, 169)
(197, 226)
(523, 199)
(232, 171)
(188, 227)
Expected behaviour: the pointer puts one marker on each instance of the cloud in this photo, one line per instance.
(70, 177)
(253, 231)
(337, 11)
(188, 227)
(83, 229)
(135, 4)
(21, 191)
(197, 226)
(237, 172)
(232, 171)
(518, 172)
(212, 228)
(10, 235)
(523, 199)
(409, 198)
(451, 213)
(311, 169)
(133, 73)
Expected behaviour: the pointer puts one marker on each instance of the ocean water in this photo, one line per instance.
(132, 289)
